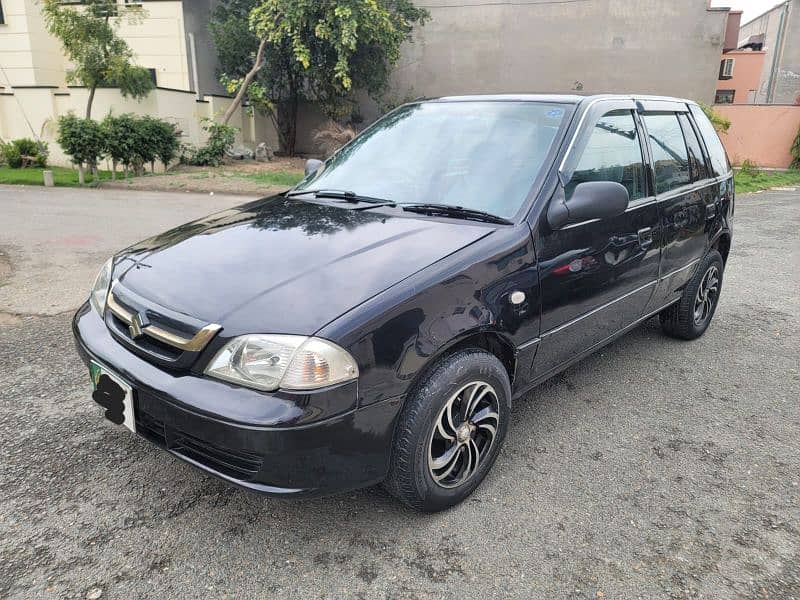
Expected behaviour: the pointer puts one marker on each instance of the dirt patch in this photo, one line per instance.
(241, 177)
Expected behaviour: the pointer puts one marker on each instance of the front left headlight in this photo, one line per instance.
(100, 288)
(292, 362)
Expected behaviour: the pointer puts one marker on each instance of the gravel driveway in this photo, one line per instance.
(654, 469)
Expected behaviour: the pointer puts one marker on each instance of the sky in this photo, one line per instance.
(750, 8)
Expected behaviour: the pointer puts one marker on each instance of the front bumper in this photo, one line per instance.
(280, 444)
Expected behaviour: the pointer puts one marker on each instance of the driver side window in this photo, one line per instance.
(613, 153)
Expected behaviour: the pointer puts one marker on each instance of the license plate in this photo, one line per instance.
(114, 395)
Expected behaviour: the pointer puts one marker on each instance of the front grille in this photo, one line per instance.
(148, 344)
(167, 338)
(233, 463)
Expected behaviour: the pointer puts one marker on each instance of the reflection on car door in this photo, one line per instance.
(684, 191)
(597, 277)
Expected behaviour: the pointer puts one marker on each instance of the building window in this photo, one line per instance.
(724, 96)
(153, 76)
(726, 68)
(2, 18)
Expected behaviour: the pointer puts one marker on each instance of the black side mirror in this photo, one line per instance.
(590, 200)
(313, 165)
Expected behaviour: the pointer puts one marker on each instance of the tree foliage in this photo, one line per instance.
(316, 50)
(720, 122)
(220, 138)
(24, 152)
(90, 41)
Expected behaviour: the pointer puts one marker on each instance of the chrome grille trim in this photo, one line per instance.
(195, 344)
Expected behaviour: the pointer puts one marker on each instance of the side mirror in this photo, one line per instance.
(313, 165)
(590, 200)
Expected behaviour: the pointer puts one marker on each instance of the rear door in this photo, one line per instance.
(597, 276)
(684, 192)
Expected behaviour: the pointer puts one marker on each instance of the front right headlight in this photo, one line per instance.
(292, 362)
(100, 288)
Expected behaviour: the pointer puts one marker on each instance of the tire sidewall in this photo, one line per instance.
(461, 369)
(713, 258)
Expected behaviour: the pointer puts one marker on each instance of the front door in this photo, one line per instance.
(596, 277)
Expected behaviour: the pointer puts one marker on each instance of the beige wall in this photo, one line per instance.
(643, 46)
(761, 133)
(30, 56)
(34, 112)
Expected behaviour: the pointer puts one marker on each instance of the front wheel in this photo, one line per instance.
(689, 318)
(450, 431)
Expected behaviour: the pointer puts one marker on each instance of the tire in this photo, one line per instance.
(689, 318)
(426, 472)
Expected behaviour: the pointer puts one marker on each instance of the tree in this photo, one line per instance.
(279, 52)
(101, 59)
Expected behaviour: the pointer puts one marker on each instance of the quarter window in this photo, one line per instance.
(668, 149)
(612, 153)
(697, 163)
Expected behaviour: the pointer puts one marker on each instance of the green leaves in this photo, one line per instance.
(81, 139)
(24, 152)
(88, 37)
(317, 50)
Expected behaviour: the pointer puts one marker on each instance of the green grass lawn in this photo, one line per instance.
(760, 180)
(61, 175)
(275, 178)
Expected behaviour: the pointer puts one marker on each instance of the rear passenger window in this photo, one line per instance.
(668, 148)
(716, 152)
(612, 153)
(697, 163)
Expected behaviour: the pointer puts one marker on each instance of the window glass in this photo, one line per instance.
(479, 155)
(697, 163)
(668, 148)
(716, 152)
(612, 153)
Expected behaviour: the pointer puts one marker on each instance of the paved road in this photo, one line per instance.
(654, 469)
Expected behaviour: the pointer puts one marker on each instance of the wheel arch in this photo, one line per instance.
(722, 244)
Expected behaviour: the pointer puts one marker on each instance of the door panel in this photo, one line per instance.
(686, 197)
(596, 277)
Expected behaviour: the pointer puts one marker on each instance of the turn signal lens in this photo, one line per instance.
(269, 362)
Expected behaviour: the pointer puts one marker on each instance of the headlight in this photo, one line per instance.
(293, 362)
(100, 287)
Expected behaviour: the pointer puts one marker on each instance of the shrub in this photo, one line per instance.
(83, 140)
(796, 151)
(120, 141)
(220, 139)
(24, 152)
(749, 168)
(720, 123)
(332, 136)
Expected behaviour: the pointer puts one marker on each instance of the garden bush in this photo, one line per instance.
(83, 140)
(24, 152)
(796, 151)
(220, 139)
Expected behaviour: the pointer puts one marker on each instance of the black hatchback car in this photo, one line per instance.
(375, 323)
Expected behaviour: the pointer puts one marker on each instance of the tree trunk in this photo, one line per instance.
(81, 177)
(89, 102)
(248, 79)
(113, 170)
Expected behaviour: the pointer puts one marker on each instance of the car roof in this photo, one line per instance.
(557, 98)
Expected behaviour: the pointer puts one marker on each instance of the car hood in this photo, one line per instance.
(283, 265)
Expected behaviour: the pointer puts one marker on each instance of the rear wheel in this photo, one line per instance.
(689, 318)
(450, 431)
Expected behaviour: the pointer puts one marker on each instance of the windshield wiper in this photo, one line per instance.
(345, 195)
(458, 212)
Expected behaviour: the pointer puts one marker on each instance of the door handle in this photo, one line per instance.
(645, 236)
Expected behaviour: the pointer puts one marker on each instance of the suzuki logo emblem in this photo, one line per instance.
(138, 323)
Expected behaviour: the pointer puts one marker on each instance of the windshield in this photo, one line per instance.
(477, 155)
